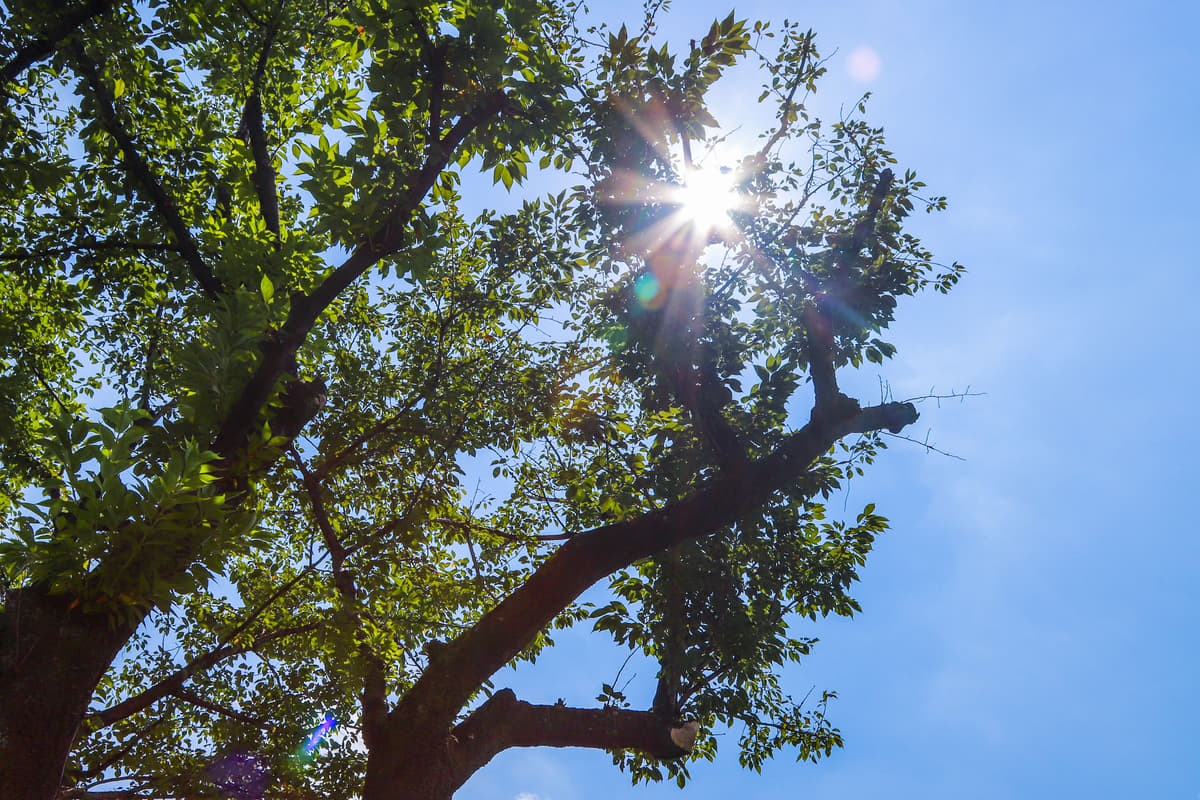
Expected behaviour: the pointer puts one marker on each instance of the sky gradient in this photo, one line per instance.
(1030, 625)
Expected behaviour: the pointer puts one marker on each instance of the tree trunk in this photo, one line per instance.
(51, 658)
(412, 771)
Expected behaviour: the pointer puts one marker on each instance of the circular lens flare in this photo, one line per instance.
(648, 291)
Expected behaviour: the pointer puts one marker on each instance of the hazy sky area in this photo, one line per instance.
(1030, 624)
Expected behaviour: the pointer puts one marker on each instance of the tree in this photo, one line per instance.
(254, 337)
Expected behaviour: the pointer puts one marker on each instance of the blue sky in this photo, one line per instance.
(1030, 625)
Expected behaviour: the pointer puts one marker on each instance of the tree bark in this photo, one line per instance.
(51, 658)
(438, 768)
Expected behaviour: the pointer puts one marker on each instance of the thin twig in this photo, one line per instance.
(512, 537)
(928, 447)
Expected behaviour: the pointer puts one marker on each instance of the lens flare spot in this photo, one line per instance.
(327, 726)
(648, 291)
(240, 776)
(865, 64)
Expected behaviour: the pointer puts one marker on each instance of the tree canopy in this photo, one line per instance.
(302, 443)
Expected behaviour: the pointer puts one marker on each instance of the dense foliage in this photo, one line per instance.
(293, 432)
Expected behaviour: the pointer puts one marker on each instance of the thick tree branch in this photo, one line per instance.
(264, 169)
(500, 635)
(306, 309)
(864, 229)
(504, 721)
(819, 342)
(49, 40)
(700, 391)
(251, 129)
(830, 302)
(434, 58)
(143, 176)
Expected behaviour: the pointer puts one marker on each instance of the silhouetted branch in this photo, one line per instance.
(464, 525)
(172, 683)
(68, 250)
(503, 632)
(374, 692)
(119, 753)
(143, 176)
(251, 129)
(49, 40)
(306, 309)
(928, 447)
(217, 708)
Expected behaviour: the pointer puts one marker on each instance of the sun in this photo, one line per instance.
(707, 196)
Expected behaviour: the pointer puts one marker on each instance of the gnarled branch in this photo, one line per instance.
(499, 636)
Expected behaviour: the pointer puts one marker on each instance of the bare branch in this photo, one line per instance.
(928, 447)
(504, 721)
(960, 396)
